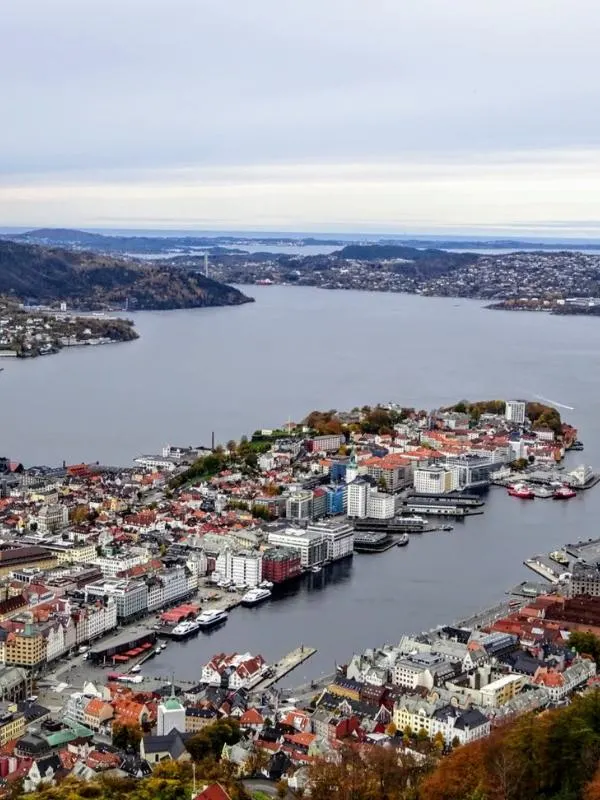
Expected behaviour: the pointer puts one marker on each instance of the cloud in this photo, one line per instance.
(352, 110)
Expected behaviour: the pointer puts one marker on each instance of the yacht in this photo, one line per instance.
(135, 669)
(266, 585)
(185, 628)
(402, 540)
(316, 569)
(163, 646)
(209, 618)
(255, 596)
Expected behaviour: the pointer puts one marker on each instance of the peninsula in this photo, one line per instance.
(90, 281)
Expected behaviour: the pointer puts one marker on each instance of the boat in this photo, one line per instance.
(255, 596)
(564, 493)
(157, 651)
(266, 584)
(522, 491)
(447, 527)
(316, 569)
(209, 618)
(185, 628)
(402, 540)
(137, 668)
(559, 557)
(163, 646)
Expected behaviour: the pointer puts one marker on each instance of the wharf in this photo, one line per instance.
(435, 510)
(284, 667)
(541, 566)
(531, 589)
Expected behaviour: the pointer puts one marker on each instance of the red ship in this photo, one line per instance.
(564, 493)
(522, 491)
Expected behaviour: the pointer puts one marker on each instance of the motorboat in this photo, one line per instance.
(564, 493)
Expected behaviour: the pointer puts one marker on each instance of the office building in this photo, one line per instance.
(515, 411)
(280, 564)
(338, 536)
(435, 480)
(358, 491)
(299, 506)
(310, 544)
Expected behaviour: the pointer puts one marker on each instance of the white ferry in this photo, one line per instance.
(209, 618)
(255, 596)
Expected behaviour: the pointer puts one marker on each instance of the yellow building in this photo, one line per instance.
(12, 726)
(76, 553)
(26, 648)
(500, 691)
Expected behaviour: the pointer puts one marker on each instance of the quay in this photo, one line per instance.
(451, 498)
(439, 509)
(284, 667)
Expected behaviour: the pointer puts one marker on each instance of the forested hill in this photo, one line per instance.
(429, 260)
(94, 281)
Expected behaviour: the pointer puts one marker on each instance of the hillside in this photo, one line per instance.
(93, 281)
(410, 259)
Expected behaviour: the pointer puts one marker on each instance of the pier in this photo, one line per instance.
(284, 666)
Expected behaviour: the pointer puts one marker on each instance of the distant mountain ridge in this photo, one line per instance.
(94, 281)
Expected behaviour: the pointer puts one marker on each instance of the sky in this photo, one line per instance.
(406, 116)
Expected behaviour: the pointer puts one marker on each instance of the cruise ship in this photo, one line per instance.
(209, 618)
(185, 628)
(255, 596)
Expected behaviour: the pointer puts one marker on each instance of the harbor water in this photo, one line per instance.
(233, 370)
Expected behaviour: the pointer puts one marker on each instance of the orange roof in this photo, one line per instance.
(251, 717)
(95, 706)
(303, 739)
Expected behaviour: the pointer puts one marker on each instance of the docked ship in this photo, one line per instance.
(207, 619)
(522, 491)
(185, 628)
(564, 493)
(255, 596)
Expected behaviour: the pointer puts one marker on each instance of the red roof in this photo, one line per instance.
(213, 792)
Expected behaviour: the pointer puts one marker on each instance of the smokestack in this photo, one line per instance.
(206, 265)
(212, 446)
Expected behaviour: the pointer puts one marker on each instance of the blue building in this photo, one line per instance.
(337, 499)
(337, 472)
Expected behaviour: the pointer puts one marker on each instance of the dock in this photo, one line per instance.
(284, 666)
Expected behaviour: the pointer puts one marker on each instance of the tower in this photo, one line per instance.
(206, 265)
(171, 715)
(352, 468)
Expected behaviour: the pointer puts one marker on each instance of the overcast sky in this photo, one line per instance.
(324, 115)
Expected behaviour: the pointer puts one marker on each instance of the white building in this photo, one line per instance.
(170, 716)
(311, 544)
(244, 568)
(111, 565)
(380, 505)
(357, 498)
(435, 480)
(338, 536)
(515, 411)
(52, 518)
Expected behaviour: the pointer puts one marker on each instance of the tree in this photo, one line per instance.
(585, 643)
(391, 729)
(232, 446)
(126, 736)
(210, 740)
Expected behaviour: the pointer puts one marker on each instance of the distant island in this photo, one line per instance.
(90, 281)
